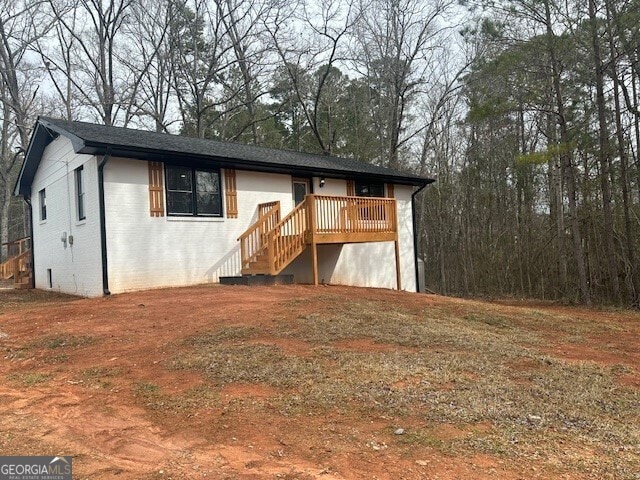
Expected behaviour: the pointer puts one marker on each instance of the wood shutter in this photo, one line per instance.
(231, 195)
(390, 192)
(156, 195)
(351, 188)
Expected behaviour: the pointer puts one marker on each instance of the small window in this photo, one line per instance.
(49, 278)
(193, 192)
(43, 205)
(369, 189)
(80, 193)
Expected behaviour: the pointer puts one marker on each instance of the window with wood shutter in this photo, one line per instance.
(193, 191)
(351, 188)
(390, 192)
(156, 197)
(230, 193)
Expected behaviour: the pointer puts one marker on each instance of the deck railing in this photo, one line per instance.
(270, 244)
(18, 263)
(334, 214)
(253, 242)
(18, 246)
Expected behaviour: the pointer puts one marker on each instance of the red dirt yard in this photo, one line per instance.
(297, 382)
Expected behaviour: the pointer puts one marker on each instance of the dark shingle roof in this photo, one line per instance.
(96, 139)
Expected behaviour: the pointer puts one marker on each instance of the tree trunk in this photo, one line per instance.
(636, 126)
(604, 156)
(567, 163)
(634, 287)
(4, 222)
(556, 202)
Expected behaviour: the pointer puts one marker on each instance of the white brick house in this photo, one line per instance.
(117, 209)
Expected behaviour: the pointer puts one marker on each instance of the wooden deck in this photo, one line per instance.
(272, 243)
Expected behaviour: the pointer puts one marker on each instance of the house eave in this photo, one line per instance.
(95, 148)
(43, 134)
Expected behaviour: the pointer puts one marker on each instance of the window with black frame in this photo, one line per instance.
(43, 204)
(80, 193)
(369, 189)
(366, 211)
(193, 191)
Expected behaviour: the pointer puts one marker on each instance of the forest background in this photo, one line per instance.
(526, 112)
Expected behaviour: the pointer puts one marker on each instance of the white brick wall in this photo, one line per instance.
(149, 252)
(77, 268)
(363, 264)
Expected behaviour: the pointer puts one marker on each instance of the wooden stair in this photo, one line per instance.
(259, 266)
(18, 266)
(271, 244)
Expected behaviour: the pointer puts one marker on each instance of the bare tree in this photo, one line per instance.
(243, 26)
(19, 81)
(326, 26)
(147, 56)
(201, 56)
(396, 44)
(88, 34)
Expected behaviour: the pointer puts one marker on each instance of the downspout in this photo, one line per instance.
(415, 234)
(103, 228)
(27, 200)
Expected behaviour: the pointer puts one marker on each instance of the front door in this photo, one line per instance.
(301, 187)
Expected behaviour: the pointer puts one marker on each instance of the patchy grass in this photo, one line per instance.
(244, 363)
(224, 334)
(188, 403)
(54, 342)
(29, 379)
(11, 300)
(493, 320)
(444, 368)
(99, 377)
(388, 324)
(299, 377)
(56, 348)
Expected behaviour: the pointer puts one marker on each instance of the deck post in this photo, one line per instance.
(398, 279)
(311, 205)
(314, 262)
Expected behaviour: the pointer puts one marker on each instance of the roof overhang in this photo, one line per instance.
(45, 132)
(97, 148)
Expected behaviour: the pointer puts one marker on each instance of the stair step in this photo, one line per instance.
(258, 280)
(255, 271)
(259, 264)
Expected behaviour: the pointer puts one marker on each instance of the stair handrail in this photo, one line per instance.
(19, 243)
(6, 269)
(283, 249)
(253, 241)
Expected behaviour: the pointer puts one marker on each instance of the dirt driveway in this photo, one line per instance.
(297, 382)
